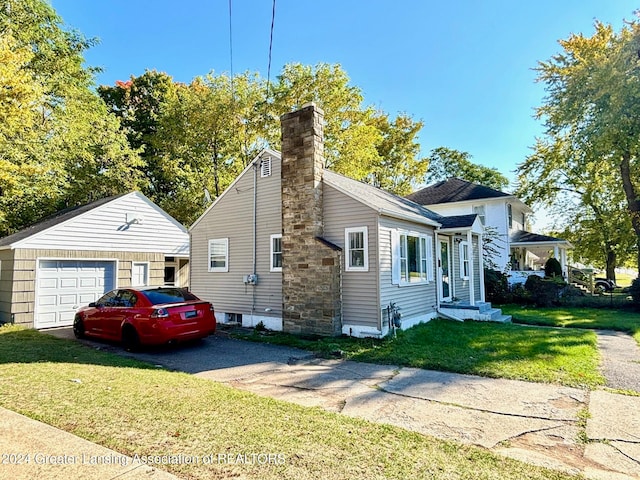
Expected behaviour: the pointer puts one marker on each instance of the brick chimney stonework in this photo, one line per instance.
(311, 266)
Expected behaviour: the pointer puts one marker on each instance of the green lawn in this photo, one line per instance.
(135, 408)
(568, 357)
(575, 317)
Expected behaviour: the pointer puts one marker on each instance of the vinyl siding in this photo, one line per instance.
(476, 269)
(105, 229)
(360, 294)
(416, 299)
(232, 217)
(23, 291)
(6, 282)
(461, 287)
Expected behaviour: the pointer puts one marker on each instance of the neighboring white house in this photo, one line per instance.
(306, 250)
(520, 253)
(73, 257)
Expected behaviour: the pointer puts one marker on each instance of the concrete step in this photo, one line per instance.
(503, 319)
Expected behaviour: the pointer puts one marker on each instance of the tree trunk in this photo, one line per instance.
(611, 265)
(633, 203)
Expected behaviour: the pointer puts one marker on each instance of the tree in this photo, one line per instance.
(58, 144)
(397, 168)
(350, 133)
(446, 163)
(206, 136)
(138, 104)
(583, 194)
(592, 114)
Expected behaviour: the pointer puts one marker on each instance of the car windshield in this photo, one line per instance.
(169, 295)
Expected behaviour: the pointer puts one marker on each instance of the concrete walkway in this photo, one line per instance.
(537, 423)
(33, 450)
(620, 360)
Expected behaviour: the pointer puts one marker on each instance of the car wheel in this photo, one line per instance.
(78, 327)
(130, 339)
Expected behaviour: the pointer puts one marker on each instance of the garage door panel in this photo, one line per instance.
(48, 283)
(68, 282)
(63, 285)
(47, 300)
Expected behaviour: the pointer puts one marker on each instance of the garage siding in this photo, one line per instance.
(6, 282)
(23, 294)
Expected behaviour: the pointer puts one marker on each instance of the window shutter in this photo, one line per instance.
(395, 257)
(430, 265)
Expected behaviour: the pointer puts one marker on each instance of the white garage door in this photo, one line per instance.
(65, 285)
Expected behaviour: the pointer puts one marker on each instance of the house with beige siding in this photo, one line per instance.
(50, 269)
(302, 249)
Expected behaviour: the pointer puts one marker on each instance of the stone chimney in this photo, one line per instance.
(311, 284)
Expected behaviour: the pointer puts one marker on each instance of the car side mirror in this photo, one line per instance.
(93, 304)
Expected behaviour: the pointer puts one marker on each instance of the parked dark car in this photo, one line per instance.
(146, 316)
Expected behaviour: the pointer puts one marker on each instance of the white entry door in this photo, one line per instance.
(444, 269)
(64, 285)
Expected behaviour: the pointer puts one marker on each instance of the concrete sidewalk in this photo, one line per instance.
(33, 450)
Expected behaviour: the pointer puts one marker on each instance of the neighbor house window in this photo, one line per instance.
(464, 260)
(479, 210)
(415, 259)
(276, 253)
(356, 241)
(140, 274)
(265, 167)
(219, 255)
(524, 221)
(510, 215)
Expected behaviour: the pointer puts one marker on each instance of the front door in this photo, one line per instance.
(444, 270)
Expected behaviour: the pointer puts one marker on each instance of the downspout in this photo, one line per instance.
(436, 257)
(255, 228)
(472, 281)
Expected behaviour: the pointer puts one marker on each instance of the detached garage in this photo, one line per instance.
(72, 258)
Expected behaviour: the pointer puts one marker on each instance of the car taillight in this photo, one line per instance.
(160, 313)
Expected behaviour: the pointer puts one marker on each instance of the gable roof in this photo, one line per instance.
(383, 202)
(55, 219)
(454, 190)
(102, 225)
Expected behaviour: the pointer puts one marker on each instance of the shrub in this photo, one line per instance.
(552, 268)
(544, 292)
(496, 286)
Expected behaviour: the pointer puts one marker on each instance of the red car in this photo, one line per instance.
(146, 316)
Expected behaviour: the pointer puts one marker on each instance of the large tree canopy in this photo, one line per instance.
(446, 163)
(59, 145)
(592, 136)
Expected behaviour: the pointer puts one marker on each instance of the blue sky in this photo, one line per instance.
(463, 67)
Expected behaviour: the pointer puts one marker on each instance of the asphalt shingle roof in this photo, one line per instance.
(379, 199)
(454, 190)
(522, 236)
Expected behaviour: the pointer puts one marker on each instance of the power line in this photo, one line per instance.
(231, 53)
(273, 18)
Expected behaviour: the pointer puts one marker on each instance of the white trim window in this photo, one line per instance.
(463, 251)
(413, 258)
(275, 252)
(219, 255)
(140, 274)
(510, 215)
(480, 211)
(356, 241)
